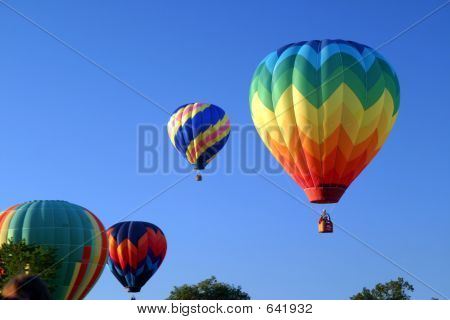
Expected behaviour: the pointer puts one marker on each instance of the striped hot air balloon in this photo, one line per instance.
(136, 251)
(324, 109)
(76, 233)
(199, 131)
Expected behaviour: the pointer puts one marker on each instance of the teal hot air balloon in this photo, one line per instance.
(199, 131)
(76, 233)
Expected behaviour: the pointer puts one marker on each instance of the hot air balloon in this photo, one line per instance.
(324, 109)
(136, 251)
(76, 233)
(199, 131)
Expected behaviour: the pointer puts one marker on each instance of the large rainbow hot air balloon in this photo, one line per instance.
(76, 233)
(136, 251)
(324, 109)
(199, 131)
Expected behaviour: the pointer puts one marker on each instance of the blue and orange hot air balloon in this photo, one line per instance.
(199, 131)
(136, 251)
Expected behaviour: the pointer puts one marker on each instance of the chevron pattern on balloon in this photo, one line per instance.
(131, 255)
(324, 109)
(136, 251)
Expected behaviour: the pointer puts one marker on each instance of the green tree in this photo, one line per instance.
(19, 257)
(393, 290)
(209, 289)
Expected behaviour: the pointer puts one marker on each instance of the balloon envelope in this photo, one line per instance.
(324, 109)
(199, 131)
(136, 251)
(76, 233)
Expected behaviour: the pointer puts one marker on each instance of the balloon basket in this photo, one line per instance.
(325, 223)
(198, 177)
(326, 227)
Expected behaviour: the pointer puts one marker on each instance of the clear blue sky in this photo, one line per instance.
(68, 131)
